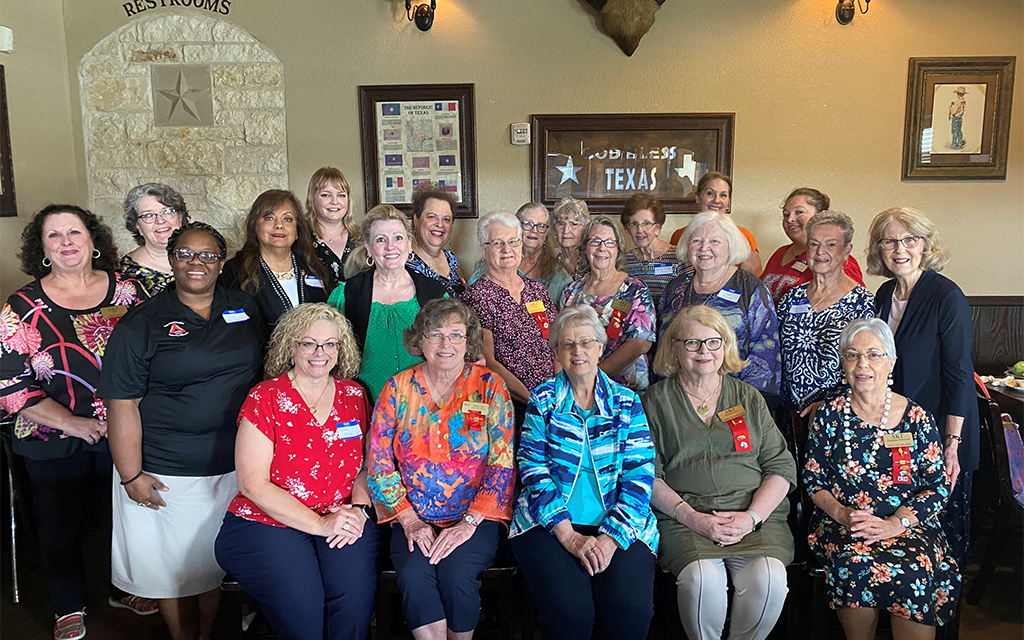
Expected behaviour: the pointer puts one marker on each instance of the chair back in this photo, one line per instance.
(1007, 453)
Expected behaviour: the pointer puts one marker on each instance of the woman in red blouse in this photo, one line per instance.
(441, 465)
(298, 536)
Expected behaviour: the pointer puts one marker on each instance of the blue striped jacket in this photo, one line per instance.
(551, 449)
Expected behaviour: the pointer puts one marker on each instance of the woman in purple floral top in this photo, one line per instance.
(515, 311)
(622, 303)
(53, 333)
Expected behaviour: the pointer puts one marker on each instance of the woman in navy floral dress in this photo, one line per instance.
(874, 471)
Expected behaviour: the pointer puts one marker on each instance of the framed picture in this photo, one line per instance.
(604, 159)
(418, 134)
(958, 118)
(8, 206)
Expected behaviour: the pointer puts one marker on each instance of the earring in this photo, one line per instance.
(889, 381)
(369, 261)
(96, 253)
(47, 263)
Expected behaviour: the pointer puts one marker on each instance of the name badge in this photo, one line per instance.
(313, 281)
(803, 307)
(113, 312)
(479, 407)
(664, 269)
(731, 295)
(799, 266)
(534, 307)
(347, 430)
(894, 440)
(725, 415)
(231, 316)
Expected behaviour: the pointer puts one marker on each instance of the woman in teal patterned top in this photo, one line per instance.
(152, 212)
(382, 295)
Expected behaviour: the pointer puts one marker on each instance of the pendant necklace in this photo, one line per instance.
(702, 408)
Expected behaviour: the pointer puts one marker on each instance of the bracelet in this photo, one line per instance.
(125, 483)
(676, 508)
(955, 437)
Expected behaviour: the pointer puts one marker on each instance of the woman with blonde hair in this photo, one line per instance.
(299, 536)
(382, 294)
(570, 216)
(931, 321)
(335, 232)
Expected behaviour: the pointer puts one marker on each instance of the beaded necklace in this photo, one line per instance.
(881, 426)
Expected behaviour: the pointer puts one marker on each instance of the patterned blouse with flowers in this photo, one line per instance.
(911, 575)
(315, 463)
(637, 321)
(52, 352)
(443, 461)
(152, 281)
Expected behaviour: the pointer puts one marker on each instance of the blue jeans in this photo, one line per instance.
(307, 590)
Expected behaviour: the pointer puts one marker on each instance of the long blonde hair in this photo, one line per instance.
(329, 176)
(358, 260)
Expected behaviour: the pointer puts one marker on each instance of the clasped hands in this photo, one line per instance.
(867, 526)
(724, 528)
(594, 552)
(342, 525)
(435, 546)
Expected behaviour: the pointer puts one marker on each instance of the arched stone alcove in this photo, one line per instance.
(187, 99)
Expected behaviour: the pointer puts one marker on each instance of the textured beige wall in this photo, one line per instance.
(40, 117)
(816, 103)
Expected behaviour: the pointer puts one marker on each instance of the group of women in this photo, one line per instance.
(331, 390)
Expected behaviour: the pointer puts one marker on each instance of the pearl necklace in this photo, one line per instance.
(846, 427)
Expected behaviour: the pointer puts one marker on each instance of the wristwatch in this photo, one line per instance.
(366, 509)
(470, 519)
(756, 518)
(905, 522)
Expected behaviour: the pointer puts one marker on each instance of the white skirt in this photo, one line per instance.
(169, 553)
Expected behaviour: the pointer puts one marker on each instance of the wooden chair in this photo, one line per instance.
(14, 497)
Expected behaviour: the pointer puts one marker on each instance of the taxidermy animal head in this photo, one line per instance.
(626, 21)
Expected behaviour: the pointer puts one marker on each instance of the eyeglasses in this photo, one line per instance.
(584, 344)
(186, 255)
(561, 224)
(872, 356)
(611, 243)
(693, 345)
(308, 347)
(436, 337)
(501, 244)
(150, 216)
(645, 224)
(539, 226)
(890, 243)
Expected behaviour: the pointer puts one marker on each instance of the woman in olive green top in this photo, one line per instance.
(722, 471)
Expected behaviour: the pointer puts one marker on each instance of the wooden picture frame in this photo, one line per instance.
(958, 118)
(605, 158)
(8, 203)
(412, 134)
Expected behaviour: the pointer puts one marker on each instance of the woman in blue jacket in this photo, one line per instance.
(583, 531)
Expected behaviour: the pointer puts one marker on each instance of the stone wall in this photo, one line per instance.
(132, 128)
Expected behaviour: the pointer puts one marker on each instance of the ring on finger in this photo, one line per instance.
(345, 526)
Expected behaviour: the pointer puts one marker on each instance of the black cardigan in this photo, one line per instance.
(359, 298)
(271, 305)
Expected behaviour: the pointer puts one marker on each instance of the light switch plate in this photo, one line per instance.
(520, 132)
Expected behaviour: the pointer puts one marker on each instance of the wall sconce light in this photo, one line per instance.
(845, 10)
(423, 15)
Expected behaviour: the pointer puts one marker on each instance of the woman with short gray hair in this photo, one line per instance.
(812, 315)
(152, 212)
(622, 302)
(515, 311)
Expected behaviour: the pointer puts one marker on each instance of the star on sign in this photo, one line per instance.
(568, 171)
(182, 95)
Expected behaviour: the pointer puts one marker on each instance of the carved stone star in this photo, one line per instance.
(182, 95)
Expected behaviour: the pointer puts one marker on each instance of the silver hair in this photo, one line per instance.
(576, 315)
(502, 217)
(603, 221)
(835, 219)
(572, 209)
(875, 326)
(530, 206)
(165, 194)
(739, 248)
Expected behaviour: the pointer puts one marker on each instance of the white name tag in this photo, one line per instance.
(799, 266)
(231, 316)
(804, 307)
(664, 269)
(314, 281)
(346, 430)
(729, 294)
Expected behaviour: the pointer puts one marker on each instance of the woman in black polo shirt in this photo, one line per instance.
(177, 373)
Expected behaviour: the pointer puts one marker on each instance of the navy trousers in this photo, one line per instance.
(307, 590)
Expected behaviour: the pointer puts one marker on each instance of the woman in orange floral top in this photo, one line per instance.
(53, 334)
(874, 470)
(441, 464)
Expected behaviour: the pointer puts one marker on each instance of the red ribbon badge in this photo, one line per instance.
(740, 435)
(476, 414)
(901, 465)
(619, 309)
(536, 309)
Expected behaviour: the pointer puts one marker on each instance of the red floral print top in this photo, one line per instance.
(313, 462)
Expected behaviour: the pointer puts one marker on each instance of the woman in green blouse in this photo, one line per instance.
(722, 471)
(381, 295)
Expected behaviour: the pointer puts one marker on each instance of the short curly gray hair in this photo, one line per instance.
(835, 219)
(162, 192)
(435, 313)
(875, 326)
(604, 221)
(576, 315)
(739, 248)
(504, 218)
